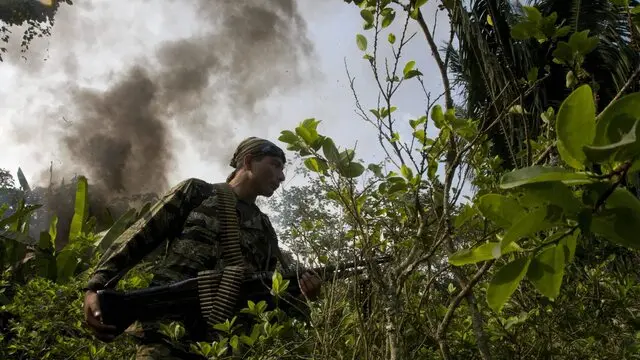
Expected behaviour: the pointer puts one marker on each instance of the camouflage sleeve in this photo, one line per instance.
(164, 220)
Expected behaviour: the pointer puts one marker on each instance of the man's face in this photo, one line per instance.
(267, 174)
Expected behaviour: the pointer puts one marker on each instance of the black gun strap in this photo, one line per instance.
(220, 306)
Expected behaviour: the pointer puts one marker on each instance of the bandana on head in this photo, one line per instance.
(255, 146)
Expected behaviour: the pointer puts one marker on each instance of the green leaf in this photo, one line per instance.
(569, 243)
(330, 151)
(532, 13)
(548, 116)
(347, 155)
(367, 15)
(288, 137)
(81, 209)
(450, 116)
(480, 253)
(625, 149)
(391, 38)
(66, 263)
(547, 270)
(489, 20)
(351, 170)
(23, 181)
(53, 229)
(499, 209)
(575, 126)
(317, 143)
(116, 230)
(388, 17)
(528, 224)
(505, 282)
(412, 73)
(406, 172)
(311, 124)
(414, 13)
(332, 195)
(316, 164)
(521, 31)
(555, 193)
(517, 109)
(622, 197)
(465, 214)
(563, 54)
(437, 116)
(582, 43)
(562, 31)
(361, 41)
(536, 174)
(419, 3)
(408, 67)
(376, 169)
(619, 225)
(416, 122)
(570, 80)
(420, 135)
(548, 26)
(306, 135)
(616, 121)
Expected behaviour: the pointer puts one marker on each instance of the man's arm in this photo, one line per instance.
(164, 220)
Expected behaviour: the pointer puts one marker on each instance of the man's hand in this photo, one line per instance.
(310, 286)
(93, 318)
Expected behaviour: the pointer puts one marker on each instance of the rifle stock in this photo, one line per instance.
(191, 296)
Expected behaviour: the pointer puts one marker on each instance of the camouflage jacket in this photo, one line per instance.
(187, 217)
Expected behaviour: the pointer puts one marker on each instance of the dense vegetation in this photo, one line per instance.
(540, 262)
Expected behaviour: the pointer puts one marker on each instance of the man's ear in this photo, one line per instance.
(246, 162)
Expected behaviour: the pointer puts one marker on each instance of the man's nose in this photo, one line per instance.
(281, 176)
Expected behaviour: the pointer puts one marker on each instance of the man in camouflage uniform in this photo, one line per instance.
(187, 217)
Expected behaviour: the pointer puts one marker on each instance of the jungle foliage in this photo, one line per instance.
(539, 262)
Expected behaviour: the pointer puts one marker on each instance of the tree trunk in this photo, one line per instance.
(478, 327)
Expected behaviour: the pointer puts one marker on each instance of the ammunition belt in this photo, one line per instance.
(219, 294)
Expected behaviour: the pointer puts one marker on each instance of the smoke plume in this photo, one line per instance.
(205, 86)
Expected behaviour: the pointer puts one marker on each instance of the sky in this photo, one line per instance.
(269, 76)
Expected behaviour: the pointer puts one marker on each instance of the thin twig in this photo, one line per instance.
(622, 90)
(454, 304)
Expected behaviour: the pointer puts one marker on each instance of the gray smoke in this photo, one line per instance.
(205, 85)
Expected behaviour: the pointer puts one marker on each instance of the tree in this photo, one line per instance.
(6, 179)
(523, 226)
(492, 84)
(36, 15)
(539, 262)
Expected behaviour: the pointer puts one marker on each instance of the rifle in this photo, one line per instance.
(123, 308)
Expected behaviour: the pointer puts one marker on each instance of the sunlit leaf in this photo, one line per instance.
(575, 126)
(536, 174)
(500, 209)
(505, 282)
(547, 270)
(361, 41)
(480, 253)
